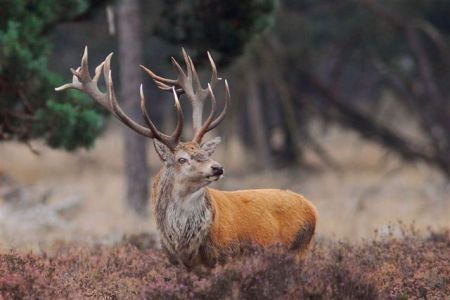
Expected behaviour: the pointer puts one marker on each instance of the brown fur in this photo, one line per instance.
(216, 223)
(265, 216)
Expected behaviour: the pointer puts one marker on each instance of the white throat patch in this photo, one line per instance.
(188, 221)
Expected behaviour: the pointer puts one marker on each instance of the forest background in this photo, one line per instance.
(346, 102)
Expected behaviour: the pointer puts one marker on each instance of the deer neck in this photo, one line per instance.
(184, 215)
(172, 193)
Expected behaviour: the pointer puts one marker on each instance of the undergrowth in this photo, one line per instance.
(406, 267)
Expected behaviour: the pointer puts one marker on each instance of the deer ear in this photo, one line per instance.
(210, 146)
(163, 152)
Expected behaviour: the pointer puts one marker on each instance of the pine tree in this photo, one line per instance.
(29, 107)
(224, 27)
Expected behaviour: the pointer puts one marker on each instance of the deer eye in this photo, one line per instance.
(182, 160)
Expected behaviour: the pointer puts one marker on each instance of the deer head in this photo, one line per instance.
(190, 162)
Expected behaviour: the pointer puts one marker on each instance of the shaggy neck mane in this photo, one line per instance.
(164, 194)
(184, 220)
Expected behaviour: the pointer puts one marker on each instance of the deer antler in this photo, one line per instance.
(190, 85)
(83, 82)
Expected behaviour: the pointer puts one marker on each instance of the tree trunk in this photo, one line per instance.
(256, 120)
(130, 56)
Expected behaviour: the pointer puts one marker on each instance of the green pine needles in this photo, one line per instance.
(29, 107)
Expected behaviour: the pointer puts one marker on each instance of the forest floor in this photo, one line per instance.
(57, 197)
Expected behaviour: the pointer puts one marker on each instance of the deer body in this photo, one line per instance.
(263, 216)
(198, 224)
(201, 225)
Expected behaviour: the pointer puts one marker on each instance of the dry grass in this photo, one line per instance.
(371, 190)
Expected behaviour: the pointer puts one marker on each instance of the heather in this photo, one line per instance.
(408, 266)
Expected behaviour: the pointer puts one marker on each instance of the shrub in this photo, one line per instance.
(403, 267)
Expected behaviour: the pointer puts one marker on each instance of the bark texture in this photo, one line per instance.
(130, 54)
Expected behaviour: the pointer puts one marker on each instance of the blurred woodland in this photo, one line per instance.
(297, 70)
(346, 102)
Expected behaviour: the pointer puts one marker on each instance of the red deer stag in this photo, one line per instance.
(198, 225)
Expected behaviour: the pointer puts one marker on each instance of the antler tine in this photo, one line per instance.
(188, 62)
(221, 116)
(84, 72)
(179, 129)
(214, 77)
(201, 93)
(98, 72)
(205, 127)
(158, 78)
(83, 82)
(114, 105)
(172, 140)
(163, 86)
(120, 114)
(156, 133)
(192, 71)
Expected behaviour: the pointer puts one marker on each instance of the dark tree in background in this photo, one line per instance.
(130, 56)
(341, 60)
(29, 107)
(224, 27)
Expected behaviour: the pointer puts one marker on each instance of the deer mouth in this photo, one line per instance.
(212, 178)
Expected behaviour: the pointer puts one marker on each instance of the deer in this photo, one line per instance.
(199, 225)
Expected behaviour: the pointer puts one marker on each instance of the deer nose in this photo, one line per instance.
(217, 169)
